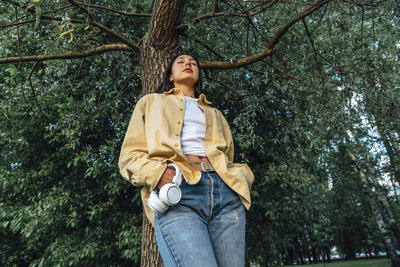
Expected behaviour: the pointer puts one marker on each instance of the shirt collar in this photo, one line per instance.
(176, 91)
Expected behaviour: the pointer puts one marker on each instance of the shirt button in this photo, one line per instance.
(177, 135)
(181, 109)
(176, 144)
(181, 99)
(179, 122)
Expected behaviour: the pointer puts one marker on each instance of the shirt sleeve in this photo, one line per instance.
(229, 151)
(134, 162)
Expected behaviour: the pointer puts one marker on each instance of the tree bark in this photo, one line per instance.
(328, 254)
(393, 141)
(314, 255)
(385, 234)
(160, 45)
(390, 247)
(392, 221)
(386, 207)
(391, 152)
(161, 41)
(377, 193)
(150, 256)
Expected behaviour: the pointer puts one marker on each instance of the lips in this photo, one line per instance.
(187, 70)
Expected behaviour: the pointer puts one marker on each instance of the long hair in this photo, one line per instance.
(166, 85)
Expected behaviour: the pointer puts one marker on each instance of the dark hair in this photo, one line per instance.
(166, 85)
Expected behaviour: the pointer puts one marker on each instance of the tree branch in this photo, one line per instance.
(208, 77)
(215, 6)
(268, 50)
(70, 55)
(19, 38)
(114, 34)
(312, 43)
(241, 14)
(116, 11)
(202, 43)
(74, 3)
(247, 14)
(91, 23)
(100, 26)
(33, 90)
(364, 4)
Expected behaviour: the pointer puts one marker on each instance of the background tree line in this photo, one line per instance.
(311, 90)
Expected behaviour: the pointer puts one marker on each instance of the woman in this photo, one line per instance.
(176, 125)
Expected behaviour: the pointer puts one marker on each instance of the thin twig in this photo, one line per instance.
(82, 8)
(312, 44)
(215, 7)
(204, 45)
(33, 90)
(116, 11)
(80, 67)
(239, 14)
(362, 27)
(364, 4)
(19, 39)
(208, 77)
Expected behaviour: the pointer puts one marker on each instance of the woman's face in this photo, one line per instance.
(184, 71)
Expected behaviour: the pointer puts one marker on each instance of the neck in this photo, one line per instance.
(186, 90)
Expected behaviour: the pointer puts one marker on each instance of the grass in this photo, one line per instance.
(383, 262)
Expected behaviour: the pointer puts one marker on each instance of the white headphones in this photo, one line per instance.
(169, 195)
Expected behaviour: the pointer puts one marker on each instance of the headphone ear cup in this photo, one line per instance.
(170, 194)
(156, 204)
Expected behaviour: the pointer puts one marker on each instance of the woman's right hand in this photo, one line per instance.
(167, 177)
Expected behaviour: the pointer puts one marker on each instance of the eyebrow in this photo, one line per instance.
(182, 57)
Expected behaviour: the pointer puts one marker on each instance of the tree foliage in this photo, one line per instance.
(303, 84)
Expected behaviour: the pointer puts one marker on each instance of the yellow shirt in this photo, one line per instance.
(153, 140)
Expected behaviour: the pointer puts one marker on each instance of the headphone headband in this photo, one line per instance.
(178, 174)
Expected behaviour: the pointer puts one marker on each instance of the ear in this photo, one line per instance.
(170, 79)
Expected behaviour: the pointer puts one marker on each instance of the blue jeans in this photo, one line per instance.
(206, 228)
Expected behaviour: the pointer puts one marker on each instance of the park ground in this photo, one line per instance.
(383, 262)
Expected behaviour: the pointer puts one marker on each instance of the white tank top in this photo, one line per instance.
(193, 129)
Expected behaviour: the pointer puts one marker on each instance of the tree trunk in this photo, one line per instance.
(322, 254)
(349, 250)
(366, 250)
(389, 149)
(376, 251)
(392, 221)
(393, 141)
(288, 256)
(314, 255)
(328, 254)
(386, 236)
(390, 247)
(159, 46)
(309, 256)
(383, 199)
(378, 214)
(296, 249)
(150, 255)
